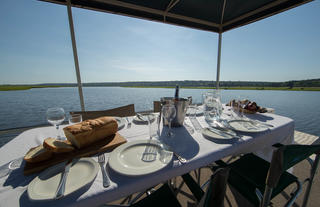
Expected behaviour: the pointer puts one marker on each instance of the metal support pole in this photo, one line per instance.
(218, 61)
(312, 174)
(75, 55)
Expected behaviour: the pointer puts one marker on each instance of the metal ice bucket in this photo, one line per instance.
(181, 105)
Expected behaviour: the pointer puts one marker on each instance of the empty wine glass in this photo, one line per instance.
(169, 113)
(75, 118)
(56, 116)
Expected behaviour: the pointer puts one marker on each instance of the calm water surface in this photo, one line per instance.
(27, 108)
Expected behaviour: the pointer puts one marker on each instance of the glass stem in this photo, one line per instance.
(169, 128)
(149, 127)
(58, 135)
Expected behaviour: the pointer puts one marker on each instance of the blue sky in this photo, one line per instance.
(35, 47)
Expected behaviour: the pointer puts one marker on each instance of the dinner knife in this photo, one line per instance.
(222, 132)
(141, 117)
(62, 184)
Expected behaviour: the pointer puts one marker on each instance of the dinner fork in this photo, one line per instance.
(106, 179)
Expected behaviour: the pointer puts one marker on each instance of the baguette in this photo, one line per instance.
(57, 146)
(37, 154)
(90, 131)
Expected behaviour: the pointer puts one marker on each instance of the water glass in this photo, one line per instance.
(169, 113)
(56, 116)
(212, 105)
(75, 118)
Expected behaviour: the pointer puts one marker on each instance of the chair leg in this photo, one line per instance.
(266, 197)
(294, 195)
(313, 172)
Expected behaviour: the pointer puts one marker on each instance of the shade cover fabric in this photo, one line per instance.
(210, 15)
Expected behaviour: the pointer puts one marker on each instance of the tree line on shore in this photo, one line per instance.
(201, 83)
(189, 83)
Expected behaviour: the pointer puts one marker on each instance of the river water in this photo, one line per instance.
(28, 108)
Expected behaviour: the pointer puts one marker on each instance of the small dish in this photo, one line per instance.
(44, 186)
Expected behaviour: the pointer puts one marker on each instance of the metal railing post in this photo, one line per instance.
(218, 61)
(75, 54)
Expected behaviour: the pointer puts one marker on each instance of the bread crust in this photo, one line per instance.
(37, 154)
(57, 146)
(90, 131)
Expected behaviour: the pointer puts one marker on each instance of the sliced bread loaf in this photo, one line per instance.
(37, 154)
(57, 146)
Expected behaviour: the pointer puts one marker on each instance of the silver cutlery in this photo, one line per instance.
(106, 179)
(129, 123)
(179, 157)
(222, 132)
(255, 122)
(142, 117)
(196, 125)
(62, 184)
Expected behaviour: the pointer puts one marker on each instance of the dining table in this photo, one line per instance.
(189, 142)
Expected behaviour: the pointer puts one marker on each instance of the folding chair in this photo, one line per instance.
(216, 190)
(259, 181)
(308, 139)
(165, 196)
(122, 111)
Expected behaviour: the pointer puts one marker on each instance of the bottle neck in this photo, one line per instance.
(176, 95)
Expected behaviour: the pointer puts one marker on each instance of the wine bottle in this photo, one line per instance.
(176, 95)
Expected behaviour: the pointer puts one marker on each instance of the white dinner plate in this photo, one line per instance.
(121, 122)
(218, 134)
(81, 173)
(127, 158)
(144, 119)
(246, 126)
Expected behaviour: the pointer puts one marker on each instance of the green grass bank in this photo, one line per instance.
(27, 87)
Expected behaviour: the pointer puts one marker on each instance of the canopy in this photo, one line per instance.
(210, 15)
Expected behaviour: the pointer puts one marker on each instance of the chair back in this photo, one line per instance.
(156, 106)
(122, 111)
(285, 157)
(216, 191)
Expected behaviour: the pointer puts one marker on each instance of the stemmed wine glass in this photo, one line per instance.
(56, 116)
(169, 113)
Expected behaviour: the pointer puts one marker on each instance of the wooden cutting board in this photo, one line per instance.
(101, 146)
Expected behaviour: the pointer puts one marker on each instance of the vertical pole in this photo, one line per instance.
(75, 55)
(313, 172)
(218, 61)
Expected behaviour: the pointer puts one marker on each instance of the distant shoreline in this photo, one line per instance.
(21, 87)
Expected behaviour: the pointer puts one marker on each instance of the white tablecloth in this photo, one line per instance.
(193, 146)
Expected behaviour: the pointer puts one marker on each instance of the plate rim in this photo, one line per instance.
(246, 131)
(114, 154)
(52, 168)
(223, 138)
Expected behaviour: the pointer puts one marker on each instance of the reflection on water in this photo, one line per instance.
(26, 108)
